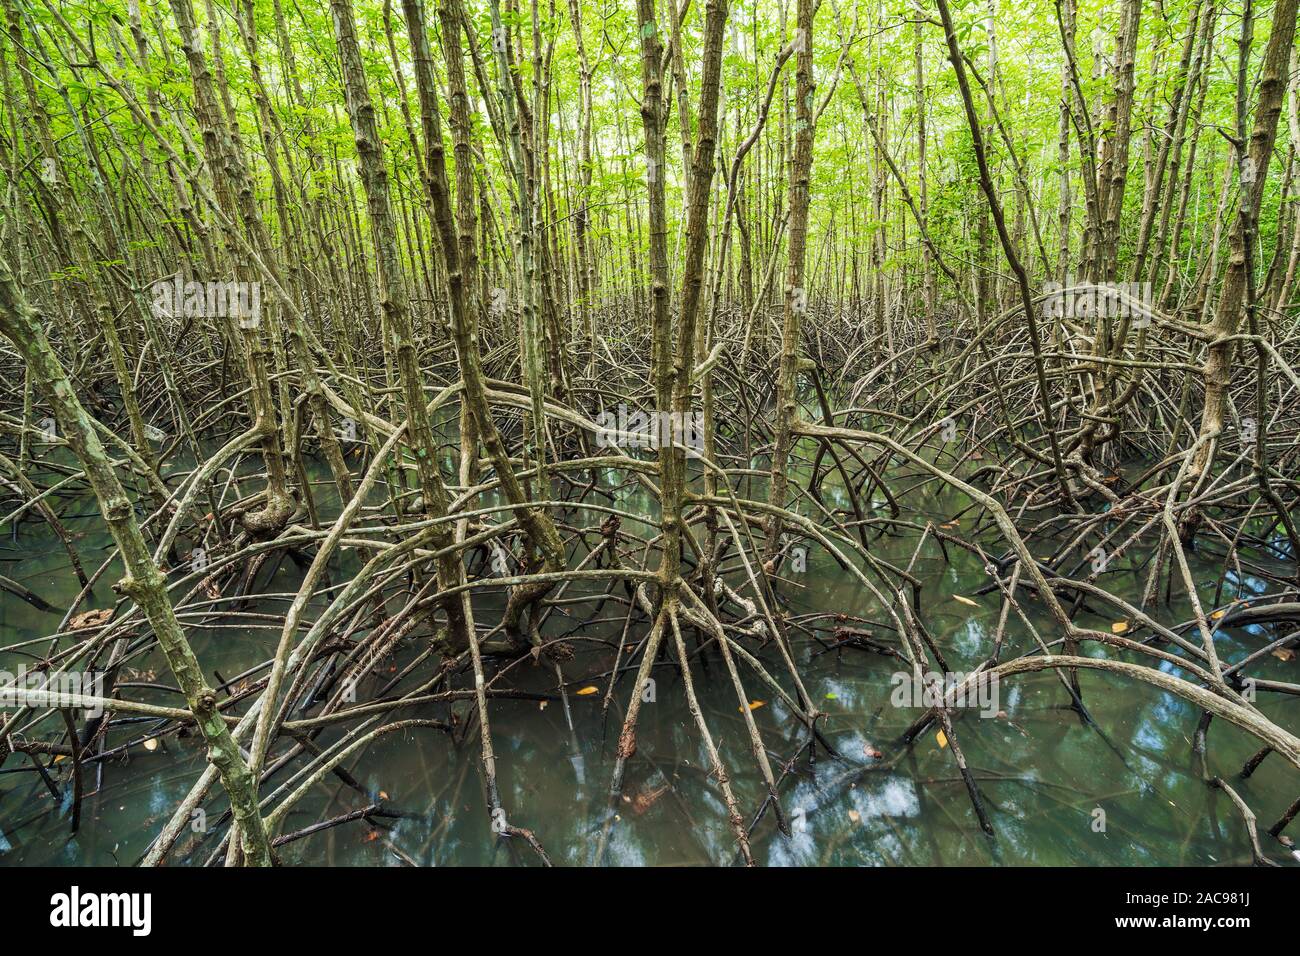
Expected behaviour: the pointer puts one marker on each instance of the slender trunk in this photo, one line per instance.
(1255, 159)
(796, 297)
(143, 583)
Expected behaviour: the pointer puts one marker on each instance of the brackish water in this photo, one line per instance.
(1042, 772)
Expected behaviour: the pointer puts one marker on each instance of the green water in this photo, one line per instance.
(1042, 772)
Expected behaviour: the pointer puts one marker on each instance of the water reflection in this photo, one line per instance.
(1042, 772)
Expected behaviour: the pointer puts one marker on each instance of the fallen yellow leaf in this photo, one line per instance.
(965, 600)
(151, 744)
(753, 705)
(942, 738)
(1119, 627)
(588, 690)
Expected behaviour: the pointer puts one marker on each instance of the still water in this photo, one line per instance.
(1044, 775)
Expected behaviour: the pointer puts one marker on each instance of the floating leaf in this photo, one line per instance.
(151, 744)
(646, 799)
(1119, 627)
(92, 618)
(1284, 653)
(832, 696)
(942, 738)
(965, 600)
(855, 816)
(753, 705)
(588, 691)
